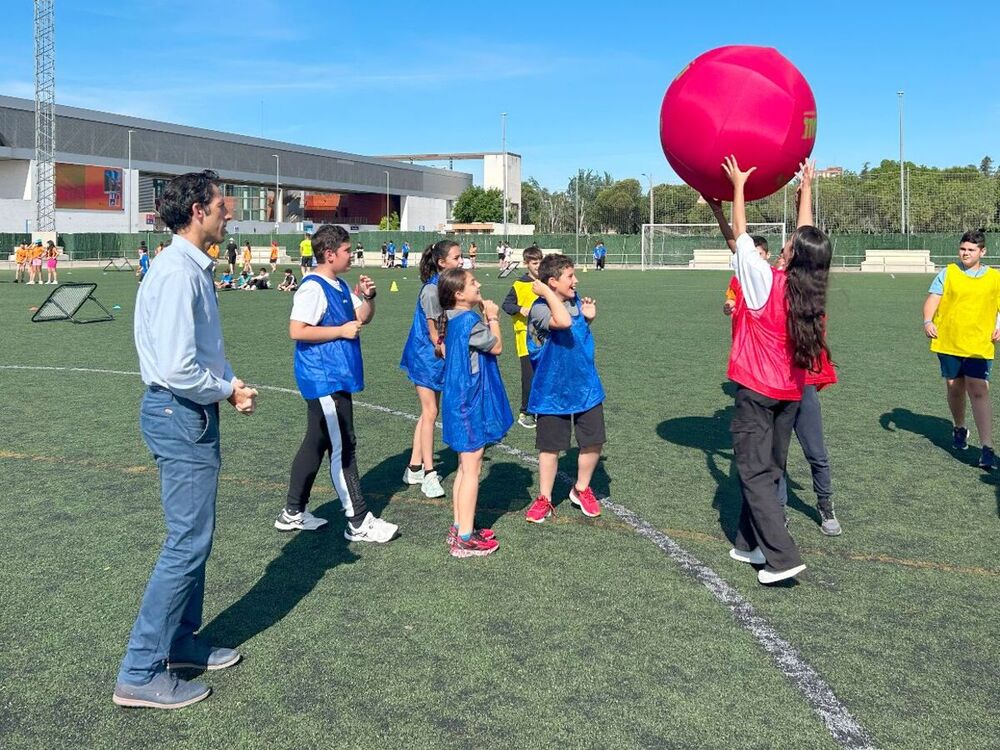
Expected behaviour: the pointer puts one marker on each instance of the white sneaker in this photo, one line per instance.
(413, 477)
(431, 486)
(372, 529)
(754, 556)
(304, 521)
(765, 576)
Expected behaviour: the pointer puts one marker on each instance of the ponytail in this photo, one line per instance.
(450, 283)
(430, 259)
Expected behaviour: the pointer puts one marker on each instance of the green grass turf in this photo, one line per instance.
(576, 633)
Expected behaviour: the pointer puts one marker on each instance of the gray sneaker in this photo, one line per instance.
(830, 525)
(431, 486)
(199, 656)
(165, 690)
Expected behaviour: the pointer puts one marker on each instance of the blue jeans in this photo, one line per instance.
(184, 439)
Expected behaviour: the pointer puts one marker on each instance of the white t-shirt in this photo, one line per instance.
(753, 272)
(309, 302)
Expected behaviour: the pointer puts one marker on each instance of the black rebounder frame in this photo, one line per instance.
(66, 300)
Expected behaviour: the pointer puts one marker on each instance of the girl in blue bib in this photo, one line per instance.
(474, 406)
(423, 363)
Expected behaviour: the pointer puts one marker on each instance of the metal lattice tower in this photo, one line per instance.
(45, 115)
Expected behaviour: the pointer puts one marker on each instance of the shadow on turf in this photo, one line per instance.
(938, 432)
(303, 561)
(711, 436)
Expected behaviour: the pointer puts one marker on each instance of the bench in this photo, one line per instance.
(711, 259)
(898, 261)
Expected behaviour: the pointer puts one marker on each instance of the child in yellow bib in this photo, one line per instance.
(517, 303)
(962, 320)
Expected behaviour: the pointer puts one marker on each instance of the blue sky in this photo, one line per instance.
(581, 83)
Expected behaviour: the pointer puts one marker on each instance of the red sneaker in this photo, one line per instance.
(453, 534)
(539, 510)
(585, 501)
(475, 547)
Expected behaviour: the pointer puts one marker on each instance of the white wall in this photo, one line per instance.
(423, 214)
(14, 213)
(14, 179)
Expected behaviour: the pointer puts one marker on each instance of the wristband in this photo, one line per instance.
(371, 296)
(492, 320)
(928, 321)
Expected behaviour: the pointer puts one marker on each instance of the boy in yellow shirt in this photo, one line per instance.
(961, 320)
(517, 303)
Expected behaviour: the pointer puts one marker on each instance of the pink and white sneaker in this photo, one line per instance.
(539, 510)
(586, 501)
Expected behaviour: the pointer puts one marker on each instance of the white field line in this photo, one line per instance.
(842, 726)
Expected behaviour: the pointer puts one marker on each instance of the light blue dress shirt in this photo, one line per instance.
(178, 334)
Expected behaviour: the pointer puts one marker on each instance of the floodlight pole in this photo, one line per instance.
(387, 200)
(576, 257)
(128, 202)
(503, 140)
(650, 178)
(902, 178)
(277, 190)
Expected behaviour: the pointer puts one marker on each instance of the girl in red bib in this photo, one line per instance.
(778, 337)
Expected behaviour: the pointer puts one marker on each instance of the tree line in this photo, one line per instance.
(864, 202)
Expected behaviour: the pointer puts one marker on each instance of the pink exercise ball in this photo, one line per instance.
(747, 101)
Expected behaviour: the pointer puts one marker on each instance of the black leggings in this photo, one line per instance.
(329, 431)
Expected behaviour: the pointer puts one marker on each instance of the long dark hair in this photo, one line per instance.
(432, 256)
(807, 275)
(450, 283)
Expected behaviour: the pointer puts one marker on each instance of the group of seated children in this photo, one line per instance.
(261, 282)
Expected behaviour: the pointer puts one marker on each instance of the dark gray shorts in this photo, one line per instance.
(553, 431)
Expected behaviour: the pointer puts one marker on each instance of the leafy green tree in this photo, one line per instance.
(390, 224)
(477, 205)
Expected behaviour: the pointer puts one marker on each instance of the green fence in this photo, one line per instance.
(623, 249)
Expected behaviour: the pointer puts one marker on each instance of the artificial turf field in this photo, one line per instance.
(577, 633)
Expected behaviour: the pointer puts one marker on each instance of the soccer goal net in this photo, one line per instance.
(674, 245)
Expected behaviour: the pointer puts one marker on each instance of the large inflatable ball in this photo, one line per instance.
(747, 101)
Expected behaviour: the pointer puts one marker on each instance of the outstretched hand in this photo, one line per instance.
(736, 175)
(588, 306)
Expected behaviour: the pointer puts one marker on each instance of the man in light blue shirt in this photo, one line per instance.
(178, 337)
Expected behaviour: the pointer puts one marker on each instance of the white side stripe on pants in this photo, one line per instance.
(336, 454)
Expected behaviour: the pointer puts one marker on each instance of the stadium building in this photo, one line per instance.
(111, 170)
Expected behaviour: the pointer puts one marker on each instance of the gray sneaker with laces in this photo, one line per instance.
(830, 525)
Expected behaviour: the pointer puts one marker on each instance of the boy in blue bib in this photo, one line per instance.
(566, 391)
(325, 323)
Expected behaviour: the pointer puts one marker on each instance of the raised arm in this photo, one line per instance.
(739, 179)
(727, 231)
(560, 315)
(803, 194)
